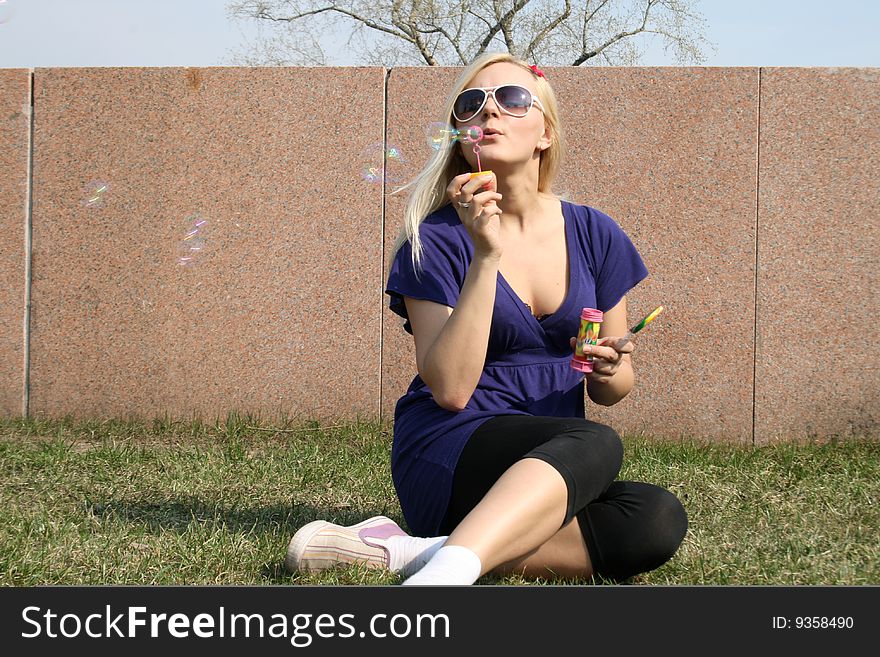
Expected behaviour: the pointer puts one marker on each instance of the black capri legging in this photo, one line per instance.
(629, 527)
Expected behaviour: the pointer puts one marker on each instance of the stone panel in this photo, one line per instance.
(818, 362)
(15, 113)
(258, 169)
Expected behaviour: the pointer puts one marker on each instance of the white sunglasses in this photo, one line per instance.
(511, 99)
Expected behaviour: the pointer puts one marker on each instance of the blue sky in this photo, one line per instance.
(35, 33)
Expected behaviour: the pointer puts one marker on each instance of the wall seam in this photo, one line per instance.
(382, 247)
(757, 264)
(28, 248)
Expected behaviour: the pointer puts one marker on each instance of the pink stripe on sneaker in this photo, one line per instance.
(382, 531)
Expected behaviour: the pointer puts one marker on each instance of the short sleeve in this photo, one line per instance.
(440, 276)
(617, 265)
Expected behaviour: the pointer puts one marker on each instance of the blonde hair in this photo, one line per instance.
(429, 186)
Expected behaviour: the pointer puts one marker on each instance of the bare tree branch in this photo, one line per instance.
(501, 24)
(540, 36)
(454, 32)
(417, 39)
(453, 40)
(587, 19)
(584, 56)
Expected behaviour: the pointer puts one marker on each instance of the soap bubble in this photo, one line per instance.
(382, 162)
(438, 132)
(193, 243)
(473, 134)
(7, 11)
(94, 194)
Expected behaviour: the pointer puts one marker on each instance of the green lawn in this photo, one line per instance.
(112, 502)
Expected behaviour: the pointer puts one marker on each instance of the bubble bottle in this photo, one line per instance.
(588, 334)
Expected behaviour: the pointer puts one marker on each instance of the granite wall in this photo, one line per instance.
(189, 241)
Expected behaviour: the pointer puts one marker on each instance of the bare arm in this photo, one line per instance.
(451, 343)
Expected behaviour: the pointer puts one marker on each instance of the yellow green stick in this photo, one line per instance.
(638, 327)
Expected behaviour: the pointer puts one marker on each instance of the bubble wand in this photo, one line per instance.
(638, 327)
(473, 135)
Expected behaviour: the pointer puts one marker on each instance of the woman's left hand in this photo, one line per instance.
(607, 357)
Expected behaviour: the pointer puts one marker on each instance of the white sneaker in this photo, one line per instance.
(321, 544)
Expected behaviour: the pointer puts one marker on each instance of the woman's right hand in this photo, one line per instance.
(476, 202)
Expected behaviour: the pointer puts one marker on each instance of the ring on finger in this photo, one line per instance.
(463, 205)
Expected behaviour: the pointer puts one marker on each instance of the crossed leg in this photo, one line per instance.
(534, 496)
(538, 497)
(517, 526)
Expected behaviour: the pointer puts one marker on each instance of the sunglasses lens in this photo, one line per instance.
(515, 99)
(468, 103)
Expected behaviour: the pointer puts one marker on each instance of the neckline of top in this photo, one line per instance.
(573, 277)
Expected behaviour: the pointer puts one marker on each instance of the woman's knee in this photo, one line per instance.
(598, 444)
(610, 444)
(587, 455)
(586, 442)
(635, 527)
(670, 521)
(668, 524)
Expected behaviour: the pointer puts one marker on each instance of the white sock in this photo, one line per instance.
(451, 564)
(408, 554)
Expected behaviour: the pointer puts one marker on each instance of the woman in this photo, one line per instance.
(494, 464)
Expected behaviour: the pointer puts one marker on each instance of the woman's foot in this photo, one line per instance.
(321, 544)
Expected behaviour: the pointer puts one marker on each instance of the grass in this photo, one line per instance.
(129, 502)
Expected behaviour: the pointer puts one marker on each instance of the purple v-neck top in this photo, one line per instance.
(527, 368)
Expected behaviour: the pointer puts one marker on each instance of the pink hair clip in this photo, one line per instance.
(537, 71)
